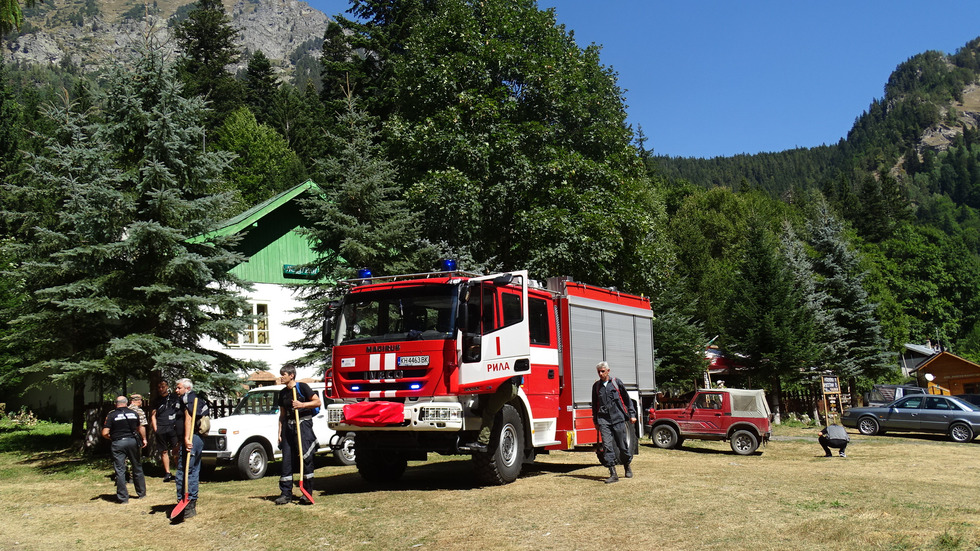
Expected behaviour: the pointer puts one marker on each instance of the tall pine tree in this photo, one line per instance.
(359, 222)
(856, 347)
(121, 283)
(208, 42)
(769, 329)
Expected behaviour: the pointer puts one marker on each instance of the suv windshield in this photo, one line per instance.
(258, 402)
(409, 313)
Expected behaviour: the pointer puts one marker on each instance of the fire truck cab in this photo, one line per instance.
(425, 357)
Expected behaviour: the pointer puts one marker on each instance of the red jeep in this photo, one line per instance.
(740, 416)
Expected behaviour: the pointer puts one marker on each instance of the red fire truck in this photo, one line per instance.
(421, 358)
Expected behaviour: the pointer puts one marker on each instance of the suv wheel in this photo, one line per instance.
(665, 437)
(744, 442)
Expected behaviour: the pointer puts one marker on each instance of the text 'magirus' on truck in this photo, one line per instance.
(426, 356)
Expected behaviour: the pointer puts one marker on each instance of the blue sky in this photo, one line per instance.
(713, 78)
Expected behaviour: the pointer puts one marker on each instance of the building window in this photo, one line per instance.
(257, 332)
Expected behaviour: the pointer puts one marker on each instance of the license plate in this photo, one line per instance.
(390, 374)
(413, 361)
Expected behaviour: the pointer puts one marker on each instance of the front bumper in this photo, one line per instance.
(427, 416)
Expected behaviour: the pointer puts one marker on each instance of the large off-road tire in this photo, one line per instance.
(960, 432)
(253, 461)
(665, 437)
(346, 455)
(502, 462)
(744, 442)
(869, 426)
(380, 467)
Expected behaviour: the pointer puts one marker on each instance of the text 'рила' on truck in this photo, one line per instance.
(426, 357)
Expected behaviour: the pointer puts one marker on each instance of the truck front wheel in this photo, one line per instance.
(665, 437)
(744, 442)
(501, 463)
(380, 467)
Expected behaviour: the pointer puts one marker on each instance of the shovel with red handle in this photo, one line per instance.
(179, 508)
(299, 446)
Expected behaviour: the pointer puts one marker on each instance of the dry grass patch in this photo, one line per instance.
(891, 493)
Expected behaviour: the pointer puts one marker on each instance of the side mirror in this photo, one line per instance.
(503, 279)
(327, 331)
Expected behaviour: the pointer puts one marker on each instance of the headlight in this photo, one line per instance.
(335, 415)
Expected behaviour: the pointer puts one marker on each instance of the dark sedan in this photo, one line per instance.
(920, 413)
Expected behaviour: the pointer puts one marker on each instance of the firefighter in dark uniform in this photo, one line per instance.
(611, 407)
(306, 402)
(122, 427)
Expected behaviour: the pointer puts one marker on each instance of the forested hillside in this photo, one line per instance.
(480, 131)
(903, 182)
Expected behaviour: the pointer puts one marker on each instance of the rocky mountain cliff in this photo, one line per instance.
(87, 33)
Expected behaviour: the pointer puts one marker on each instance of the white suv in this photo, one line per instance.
(248, 438)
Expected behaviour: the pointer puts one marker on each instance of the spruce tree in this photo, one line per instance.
(121, 283)
(360, 221)
(680, 340)
(260, 86)
(10, 129)
(858, 349)
(208, 42)
(769, 328)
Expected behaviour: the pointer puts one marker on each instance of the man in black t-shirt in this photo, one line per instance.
(163, 420)
(122, 427)
(306, 402)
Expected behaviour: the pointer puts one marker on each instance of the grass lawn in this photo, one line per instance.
(891, 492)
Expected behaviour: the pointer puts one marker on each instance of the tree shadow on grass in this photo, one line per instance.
(26, 441)
(61, 461)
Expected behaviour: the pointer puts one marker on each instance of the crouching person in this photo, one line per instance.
(833, 436)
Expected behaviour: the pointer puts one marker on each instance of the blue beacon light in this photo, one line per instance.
(364, 273)
(448, 265)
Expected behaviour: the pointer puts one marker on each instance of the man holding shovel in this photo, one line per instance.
(297, 403)
(189, 463)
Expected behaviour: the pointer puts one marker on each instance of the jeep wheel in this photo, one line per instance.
(379, 466)
(502, 462)
(960, 432)
(345, 456)
(253, 461)
(665, 437)
(869, 426)
(744, 442)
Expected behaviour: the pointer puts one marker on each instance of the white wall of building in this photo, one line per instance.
(270, 344)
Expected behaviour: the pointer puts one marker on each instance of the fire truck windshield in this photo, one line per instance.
(426, 312)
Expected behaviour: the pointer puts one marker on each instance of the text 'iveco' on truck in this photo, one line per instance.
(426, 355)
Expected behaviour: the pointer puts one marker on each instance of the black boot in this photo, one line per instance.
(629, 471)
(191, 509)
(612, 475)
